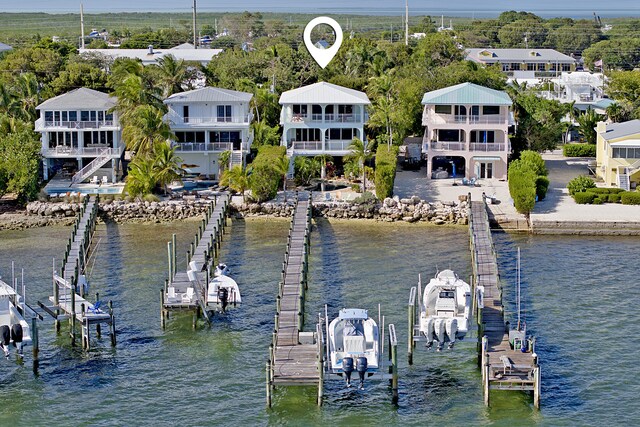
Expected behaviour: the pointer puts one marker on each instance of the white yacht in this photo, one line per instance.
(445, 310)
(353, 341)
(223, 290)
(13, 328)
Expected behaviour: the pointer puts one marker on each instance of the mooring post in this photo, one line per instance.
(268, 382)
(411, 320)
(174, 245)
(170, 258)
(35, 343)
(72, 319)
(536, 382)
(486, 369)
(162, 319)
(113, 324)
(82, 326)
(56, 302)
(98, 331)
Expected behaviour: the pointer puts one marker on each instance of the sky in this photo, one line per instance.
(478, 8)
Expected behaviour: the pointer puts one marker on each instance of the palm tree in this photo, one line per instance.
(588, 121)
(236, 178)
(26, 97)
(141, 178)
(173, 75)
(166, 166)
(281, 166)
(224, 160)
(145, 129)
(360, 154)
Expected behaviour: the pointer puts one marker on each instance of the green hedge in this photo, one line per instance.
(601, 190)
(613, 198)
(265, 179)
(542, 185)
(385, 174)
(579, 150)
(584, 198)
(630, 198)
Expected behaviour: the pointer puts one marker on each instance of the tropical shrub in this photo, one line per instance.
(306, 169)
(236, 178)
(542, 185)
(630, 198)
(265, 176)
(579, 184)
(584, 197)
(141, 179)
(598, 201)
(522, 186)
(613, 198)
(579, 150)
(385, 173)
(535, 161)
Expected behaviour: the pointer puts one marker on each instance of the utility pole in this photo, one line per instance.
(195, 33)
(406, 22)
(81, 26)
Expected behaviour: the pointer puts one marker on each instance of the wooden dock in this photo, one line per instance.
(295, 357)
(180, 293)
(76, 254)
(503, 368)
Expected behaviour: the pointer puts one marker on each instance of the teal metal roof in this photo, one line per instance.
(466, 93)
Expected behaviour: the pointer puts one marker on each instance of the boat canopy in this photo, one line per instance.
(353, 313)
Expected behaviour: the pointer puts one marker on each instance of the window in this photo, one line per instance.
(73, 116)
(299, 109)
(566, 67)
(505, 67)
(515, 66)
(65, 116)
(626, 153)
(56, 116)
(490, 109)
(190, 137)
(108, 116)
(345, 109)
(443, 109)
(48, 116)
(531, 66)
(341, 134)
(224, 136)
(100, 116)
(449, 135)
(84, 116)
(460, 110)
(224, 113)
(542, 66)
(93, 116)
(307, 135)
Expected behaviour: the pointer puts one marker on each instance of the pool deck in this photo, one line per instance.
(63, 186)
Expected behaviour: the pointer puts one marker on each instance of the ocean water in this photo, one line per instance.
(579, 300)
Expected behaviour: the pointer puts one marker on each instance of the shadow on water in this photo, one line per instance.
(328, 270)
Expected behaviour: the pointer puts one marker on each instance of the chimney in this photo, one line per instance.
(150, 49)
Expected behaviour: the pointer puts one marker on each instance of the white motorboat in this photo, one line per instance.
(222, 289)
(445, 310)
(353, 344)
(14, 329)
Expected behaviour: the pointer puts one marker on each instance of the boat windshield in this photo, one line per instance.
(447, 294)
(353, 327)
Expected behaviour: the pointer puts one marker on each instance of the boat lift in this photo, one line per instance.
(387, 369)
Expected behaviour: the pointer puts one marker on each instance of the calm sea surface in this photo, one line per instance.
(580, 298)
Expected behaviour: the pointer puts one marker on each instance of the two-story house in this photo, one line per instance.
(524, 63)
(322, 118)
(466, 131)
(81, 136)
(618, 154)
(208, 122)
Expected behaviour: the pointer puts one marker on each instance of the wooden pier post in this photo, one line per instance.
(56, 303)
(170, 258)
(486, 368)
(72, 319)
(174, 244)
(98, 329)
(536, 382)
(268, 375)
(113, 324)
(162, 311)
(393, 349)
(35, 343)
(411, 320)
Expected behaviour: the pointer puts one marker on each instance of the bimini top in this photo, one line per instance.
(353, 313)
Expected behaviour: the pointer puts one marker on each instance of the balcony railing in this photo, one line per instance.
(328, 118)
(448, 146)
(489, 146)
(94, 150)
(74, 124)
(202, 146)
(331, 145)
(177, 119)
(497, 119)
(306, 145)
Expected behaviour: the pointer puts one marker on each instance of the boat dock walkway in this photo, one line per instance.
(503, 368)
(76, 254)
(180, 293)
(295, 357)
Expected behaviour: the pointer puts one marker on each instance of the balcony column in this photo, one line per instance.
(45, 169)
(324, 109)
(80, 141)
(323, 138)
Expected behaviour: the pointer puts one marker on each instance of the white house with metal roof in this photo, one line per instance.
(618, 154)
(322, 118)
(207, 122)
(81, 136)
(524, 63)
(151, 55)
(4, 47)
(467, 132)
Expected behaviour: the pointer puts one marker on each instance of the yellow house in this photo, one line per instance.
(618, 154)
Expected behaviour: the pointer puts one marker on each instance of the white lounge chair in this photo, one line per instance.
(171, 294)
(188, 297)
(105, 180)
(94, 180)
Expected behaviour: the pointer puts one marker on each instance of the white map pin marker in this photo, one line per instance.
(323, 56)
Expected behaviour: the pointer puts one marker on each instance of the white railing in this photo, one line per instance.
(63, 150)
(466, 119)
(490, 146)
(342, 118)
(448, 146)
(338, 145)
(307, 145)
(177, 119)
(201, 146)
(75, 124)
(93, 166)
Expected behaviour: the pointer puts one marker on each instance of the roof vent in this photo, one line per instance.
(534, 53)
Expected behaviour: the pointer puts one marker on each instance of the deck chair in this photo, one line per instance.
(171, 294)
(188, 296)
(105, 180)
(94, 180)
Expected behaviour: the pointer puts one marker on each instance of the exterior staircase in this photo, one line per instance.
(624, 175)
(91, 168)
(292, 161)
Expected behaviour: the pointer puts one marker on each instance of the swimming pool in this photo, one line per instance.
(85, 190)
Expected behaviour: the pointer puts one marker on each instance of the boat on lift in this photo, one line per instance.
(222, 289)
(14, 329)
(445, 310)
(353, 344)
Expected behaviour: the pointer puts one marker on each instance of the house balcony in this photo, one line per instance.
(324, 118)
(489, 147)
(340, 147)
(438, 120)
(91, 150)
(448, 146)
(176, 120)
(191, 147)
(41, 124)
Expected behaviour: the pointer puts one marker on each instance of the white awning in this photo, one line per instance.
(486, 158)
(633, 143)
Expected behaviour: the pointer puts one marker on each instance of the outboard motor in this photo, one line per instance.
(361, 367)
(16, 336)
(347, 368)
(223, 297)
(5, 338)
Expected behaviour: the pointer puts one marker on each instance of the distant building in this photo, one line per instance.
(150, 55)
(467, 131)
(322, 44)
(207, 122)
(524, 63)
(618, 154)
(584, 89)
(322, 118)
(81, 132)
